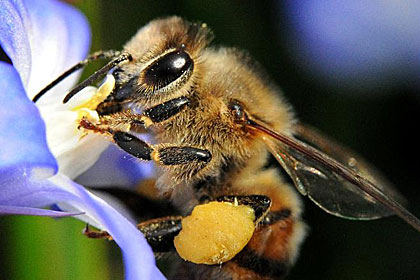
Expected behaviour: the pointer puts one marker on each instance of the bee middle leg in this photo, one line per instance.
(121, 123)
(162, 154)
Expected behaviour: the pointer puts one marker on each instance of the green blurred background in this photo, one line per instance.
(381, 128)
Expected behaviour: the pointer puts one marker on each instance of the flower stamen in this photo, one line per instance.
(87, 110)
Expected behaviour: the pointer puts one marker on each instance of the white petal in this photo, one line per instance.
(74, 152)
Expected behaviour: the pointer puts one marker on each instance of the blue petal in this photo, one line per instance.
(116, 168)
(61, 38)
(13, 35)
(20, 191)
(43, 38)
(16, 210)
(22, 137)
(138, 256)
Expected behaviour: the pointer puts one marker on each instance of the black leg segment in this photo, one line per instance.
(165, 155)
(160, 233)
(133, 145)
(166, 110)
(259, 203)
(182, 155)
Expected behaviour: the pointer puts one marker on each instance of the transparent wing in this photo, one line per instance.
(326, 188)
(345, 189)
(347, 157)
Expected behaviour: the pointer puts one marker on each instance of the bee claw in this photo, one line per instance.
(95, 234)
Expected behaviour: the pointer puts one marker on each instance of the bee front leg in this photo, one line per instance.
(131, 121)
(165, 110)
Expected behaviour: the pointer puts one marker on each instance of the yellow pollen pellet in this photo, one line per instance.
(215, 232)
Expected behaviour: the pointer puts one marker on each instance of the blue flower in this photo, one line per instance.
(41, 148)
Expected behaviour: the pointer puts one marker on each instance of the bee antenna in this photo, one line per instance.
(121, 58)
(95, 56)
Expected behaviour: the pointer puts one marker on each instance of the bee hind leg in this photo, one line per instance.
(159, 233)
(259, 203)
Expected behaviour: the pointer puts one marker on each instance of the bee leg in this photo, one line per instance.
(165, 155)
(164, 111)
(181, 155)
(161, 154)
(95, 233)
(133, 145)
(259, 203)
(113, 117)
(159, 233)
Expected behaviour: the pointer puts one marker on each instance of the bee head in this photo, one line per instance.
(166, 61)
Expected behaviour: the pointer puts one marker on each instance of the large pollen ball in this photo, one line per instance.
(215, 232)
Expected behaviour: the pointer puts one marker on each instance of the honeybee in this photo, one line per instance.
(217, 119)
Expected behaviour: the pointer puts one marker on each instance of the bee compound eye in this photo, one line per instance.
(173, 66)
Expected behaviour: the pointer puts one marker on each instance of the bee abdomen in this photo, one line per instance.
(248, 263)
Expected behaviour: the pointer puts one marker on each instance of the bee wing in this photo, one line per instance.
(337, 188)
(347, 157)
(325, 187)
